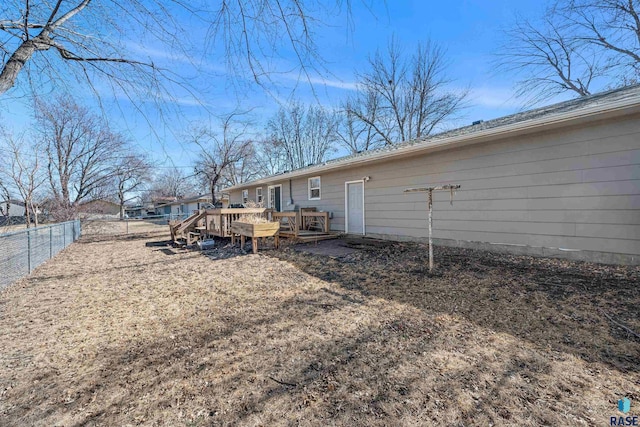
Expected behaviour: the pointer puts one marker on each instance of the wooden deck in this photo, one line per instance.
(304, 226)
(307, 225)
(209, 223)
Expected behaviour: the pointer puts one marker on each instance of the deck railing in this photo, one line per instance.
(292, 222)
(311, 220)
(218, 221)
(288, 222)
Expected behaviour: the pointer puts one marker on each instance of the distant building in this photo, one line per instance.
(12, 207)
(135, 211)
(185, 206)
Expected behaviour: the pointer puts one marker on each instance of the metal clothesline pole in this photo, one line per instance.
(429, 191)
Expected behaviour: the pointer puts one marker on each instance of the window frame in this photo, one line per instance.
(245, 196)
(319, 188)
(261, 196)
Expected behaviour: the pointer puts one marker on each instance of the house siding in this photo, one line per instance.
(14, 209)
(575, 189)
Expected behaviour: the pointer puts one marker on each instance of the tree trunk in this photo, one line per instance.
(121, 200)
(35, 215)
(27, 214)
(15, 64)
(214, 181)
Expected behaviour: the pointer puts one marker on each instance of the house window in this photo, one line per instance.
(245, 196)
(314, 188)
(259, 195)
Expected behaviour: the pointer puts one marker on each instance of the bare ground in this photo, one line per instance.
(118, 330)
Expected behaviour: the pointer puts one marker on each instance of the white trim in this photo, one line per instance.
(319, 188)
(261, 195)
(269, 196)
(346, 206)
(627, 106)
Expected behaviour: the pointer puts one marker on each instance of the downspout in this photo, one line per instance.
(290, 194)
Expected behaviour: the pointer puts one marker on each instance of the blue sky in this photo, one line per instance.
(470, 32)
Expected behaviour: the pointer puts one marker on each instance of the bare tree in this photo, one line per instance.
(576, 45)
(131, 173)
(251, 31)
(221, 152)
(89, 42)
(549, 60)
(23, 170)
(303, 136)
(103, 44)
(5, 195)
(270, 158)
(355, 134)
(245, 169)
(613, 26)
(410, 94)
(173, 183)
(81, 152)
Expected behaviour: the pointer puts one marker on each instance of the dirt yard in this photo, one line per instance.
(120, 330)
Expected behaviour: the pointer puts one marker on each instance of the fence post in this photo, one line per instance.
(50, 242)
(29, 250)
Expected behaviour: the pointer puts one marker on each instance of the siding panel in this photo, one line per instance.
(577, 188)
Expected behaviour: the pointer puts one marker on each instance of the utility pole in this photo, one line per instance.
(429, 190)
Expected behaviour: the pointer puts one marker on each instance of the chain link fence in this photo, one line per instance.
(22, 251)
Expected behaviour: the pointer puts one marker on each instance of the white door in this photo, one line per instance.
(354, 205)
(275, 197)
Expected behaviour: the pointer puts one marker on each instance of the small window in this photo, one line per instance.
(259, 195)
(245, 196)
(314, 188)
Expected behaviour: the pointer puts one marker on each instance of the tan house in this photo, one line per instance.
(562, 181)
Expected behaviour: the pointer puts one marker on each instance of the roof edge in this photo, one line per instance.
(582, 115)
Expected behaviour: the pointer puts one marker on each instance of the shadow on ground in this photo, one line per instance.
(367, 337)
(573, 307)
(257, 368)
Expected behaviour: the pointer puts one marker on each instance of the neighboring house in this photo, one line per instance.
(562, 180)
(135, 211)
(104, 207)
(160, 206)
(185, 206)
(16, 208)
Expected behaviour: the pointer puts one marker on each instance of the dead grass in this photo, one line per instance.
(119, 331)
(12, 228)
(15, 227)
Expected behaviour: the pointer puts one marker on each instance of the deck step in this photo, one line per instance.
(305, 236)
(306, 239)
